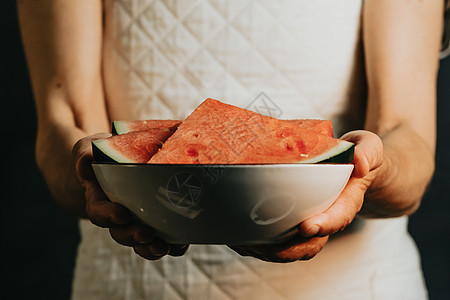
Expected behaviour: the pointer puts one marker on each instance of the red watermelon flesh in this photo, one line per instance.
(132, 147)
(316, 125)
(121, 127)
(218, 133)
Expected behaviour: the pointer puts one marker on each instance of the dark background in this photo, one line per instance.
(38, 241)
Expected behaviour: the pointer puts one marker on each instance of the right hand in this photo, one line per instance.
(123, 227)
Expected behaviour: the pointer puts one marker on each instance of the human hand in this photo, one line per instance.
(123, 227)
(295, 248)
(313, 232)
(367, 162)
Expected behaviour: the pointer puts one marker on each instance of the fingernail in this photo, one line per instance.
(311, 231)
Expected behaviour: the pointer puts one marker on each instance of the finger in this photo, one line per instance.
(368, 153)
(254, 251)
(178, 250)
(155, 250)
(240, 250)
(144, 251)
(340, 214)
(296, 248)
(132, 234)
(82, 155)
(101, 211)
(159, 247)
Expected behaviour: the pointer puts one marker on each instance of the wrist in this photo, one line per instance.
(54, 159)
(402, 179)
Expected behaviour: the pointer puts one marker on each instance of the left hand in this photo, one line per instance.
(313, 232)
(123, 228)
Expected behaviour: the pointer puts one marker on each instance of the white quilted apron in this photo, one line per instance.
(291, 59)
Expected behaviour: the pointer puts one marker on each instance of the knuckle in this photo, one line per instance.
(115, 234)
(98, 222)
(139, 251)
(309, 255)
(91, 215)
(122, 237)
(313, 251)
(95, 218)
(76, 148)
(347, 220)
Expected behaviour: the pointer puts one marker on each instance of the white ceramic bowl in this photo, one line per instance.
(223, 204)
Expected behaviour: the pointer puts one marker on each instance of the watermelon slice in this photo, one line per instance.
(121, 127)
(219, 133)
(132, 147)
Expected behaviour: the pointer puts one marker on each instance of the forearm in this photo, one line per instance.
(60, 126)
(402, 42)
(62, 41)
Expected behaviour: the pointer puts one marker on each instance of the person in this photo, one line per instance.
(369, 66)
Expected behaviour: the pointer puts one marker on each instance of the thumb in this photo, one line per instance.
(83, 157)
(368, 151)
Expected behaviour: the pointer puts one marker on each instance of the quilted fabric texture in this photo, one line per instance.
(305, 56)
(287, 59)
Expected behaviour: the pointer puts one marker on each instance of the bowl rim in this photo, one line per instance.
(336, 165)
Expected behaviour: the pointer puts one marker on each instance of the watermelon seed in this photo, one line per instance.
(192, 152)
(301, 146)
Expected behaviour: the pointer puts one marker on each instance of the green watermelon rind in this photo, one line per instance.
(103, 153)
(345, 157)
(341, 154)
(119, 127)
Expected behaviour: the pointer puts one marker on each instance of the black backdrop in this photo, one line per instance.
(38, 241)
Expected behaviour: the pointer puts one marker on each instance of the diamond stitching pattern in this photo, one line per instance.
(167, 24)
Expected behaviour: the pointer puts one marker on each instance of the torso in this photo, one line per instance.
(303, 59)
